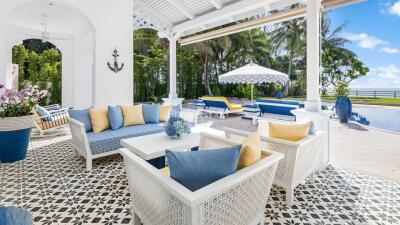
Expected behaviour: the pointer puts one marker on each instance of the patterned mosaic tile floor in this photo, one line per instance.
(54, 186)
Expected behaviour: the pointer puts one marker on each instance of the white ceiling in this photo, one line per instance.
(185, 17)
(61, 19)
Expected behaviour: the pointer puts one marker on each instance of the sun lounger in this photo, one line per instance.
(220, 106)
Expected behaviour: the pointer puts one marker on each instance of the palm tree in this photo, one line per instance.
(206, 50)
(289, 36)
(331, 40)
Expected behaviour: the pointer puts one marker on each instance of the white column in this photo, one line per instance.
(172, 97)
(172, 68)
(312, 109)
(313, 102)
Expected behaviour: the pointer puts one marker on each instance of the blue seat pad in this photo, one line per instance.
(109, 140)
(277, 106)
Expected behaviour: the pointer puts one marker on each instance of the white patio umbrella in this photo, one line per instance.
(253, 74)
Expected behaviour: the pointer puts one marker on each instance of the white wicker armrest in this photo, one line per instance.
(56, 111)
(154, 174)
(50, 107)
(271, 140)
(75, 122)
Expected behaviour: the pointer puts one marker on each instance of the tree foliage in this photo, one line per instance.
(41, 66)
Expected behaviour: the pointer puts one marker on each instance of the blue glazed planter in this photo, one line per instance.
(350, 110)
(14, 138)
(278, 94)
(343, 108)
(14, 145)
(15, 216)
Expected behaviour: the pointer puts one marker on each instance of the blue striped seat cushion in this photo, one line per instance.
(109, 140)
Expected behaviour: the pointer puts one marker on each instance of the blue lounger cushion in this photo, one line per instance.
(44, 113)
(280, 107)
(216, 104)
(109, 140)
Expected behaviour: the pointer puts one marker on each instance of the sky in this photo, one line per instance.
(373, 27)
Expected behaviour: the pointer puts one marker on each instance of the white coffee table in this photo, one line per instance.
(153, 146)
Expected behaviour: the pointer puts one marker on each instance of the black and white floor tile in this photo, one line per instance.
(53, 184)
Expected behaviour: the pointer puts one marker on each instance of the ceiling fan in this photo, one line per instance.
(45, 36)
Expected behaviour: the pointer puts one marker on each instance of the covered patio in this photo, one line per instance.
(54, 186)
(52, 182)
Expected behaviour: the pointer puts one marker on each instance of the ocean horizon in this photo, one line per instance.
(375, 89)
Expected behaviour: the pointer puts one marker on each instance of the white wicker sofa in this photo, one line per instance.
(92, 146)
(299, 160)
(238, 199)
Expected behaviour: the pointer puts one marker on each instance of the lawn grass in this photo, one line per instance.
(361, 100)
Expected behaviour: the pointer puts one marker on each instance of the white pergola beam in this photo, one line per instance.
(177, 4)
(275, 18)
(150, 12)
(216, 3)
(225, 12)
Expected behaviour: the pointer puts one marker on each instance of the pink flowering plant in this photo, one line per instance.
(19, 103)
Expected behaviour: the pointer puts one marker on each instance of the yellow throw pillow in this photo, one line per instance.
(251, 151)
(132, 115)
(165, 111)
(290, 132)
(166, 171)
(99, 118)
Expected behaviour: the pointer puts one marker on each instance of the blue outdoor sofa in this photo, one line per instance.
(92, 146)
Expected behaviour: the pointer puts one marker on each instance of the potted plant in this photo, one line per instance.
(343, 103)
(156, 100)
(278, 90)
(16, 121)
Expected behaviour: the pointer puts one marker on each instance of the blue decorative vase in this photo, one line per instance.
(15, 216)
(350, 110)
(278, 94)
(343, 108)
(14, 138)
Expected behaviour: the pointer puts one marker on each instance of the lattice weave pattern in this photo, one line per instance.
(238, 205)
(306, 158)
(282, 169)
(156, 204)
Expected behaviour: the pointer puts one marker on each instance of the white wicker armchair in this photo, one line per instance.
(299, 161)
(238, 199)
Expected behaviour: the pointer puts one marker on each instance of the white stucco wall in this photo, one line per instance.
(87, 81)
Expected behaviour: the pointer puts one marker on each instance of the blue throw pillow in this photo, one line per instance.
(197, 169)
(115, 117)
(82, 115)
(44, 113)
(151, 113)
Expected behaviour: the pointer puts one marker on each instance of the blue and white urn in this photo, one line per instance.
(176, 126)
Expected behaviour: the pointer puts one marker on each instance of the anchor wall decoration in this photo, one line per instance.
(115, 68)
